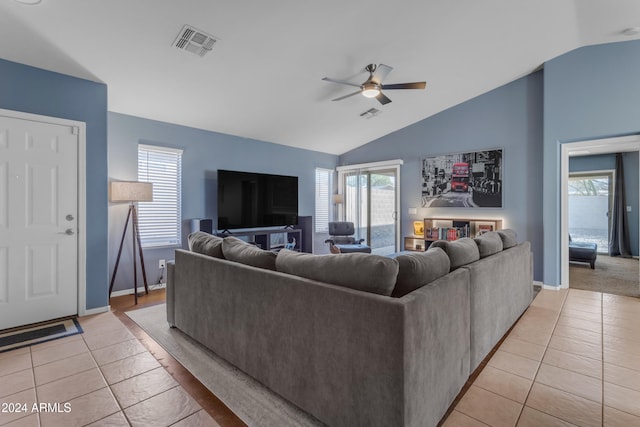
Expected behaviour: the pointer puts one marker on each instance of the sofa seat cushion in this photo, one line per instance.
(489, 243)
(240, 251)
(461, 252)
(509, 238)
(416, 269)
(364, 272)
(206, 244)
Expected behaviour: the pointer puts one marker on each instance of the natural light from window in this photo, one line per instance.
(160, 220)
(589, 207)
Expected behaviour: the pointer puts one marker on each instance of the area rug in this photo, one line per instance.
(38, 334)
(613, 275)
(252, 402)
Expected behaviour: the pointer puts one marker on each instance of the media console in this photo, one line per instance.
(269, 239)
(302, 232)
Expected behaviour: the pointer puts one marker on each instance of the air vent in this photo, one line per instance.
(194, 41)
(371, 112)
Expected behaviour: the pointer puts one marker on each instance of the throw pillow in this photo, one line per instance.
(489, 243)
(364, 272)
(509, 238)
(461, 252)
(206, 244)
(240, 251)
(417, 269)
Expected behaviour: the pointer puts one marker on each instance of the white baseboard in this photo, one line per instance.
(130, 291)
(96, 310)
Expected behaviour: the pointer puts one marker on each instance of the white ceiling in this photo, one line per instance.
(263, 78)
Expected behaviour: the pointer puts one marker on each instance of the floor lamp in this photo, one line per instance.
(338, 199)
(132, 192)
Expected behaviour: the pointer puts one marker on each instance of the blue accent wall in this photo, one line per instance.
(510, 118)
(37, 91)
(204, 153)
(589, 93)
(630, 166)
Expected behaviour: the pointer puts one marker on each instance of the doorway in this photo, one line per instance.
(42, 269)
(371, 199)
(585, 148)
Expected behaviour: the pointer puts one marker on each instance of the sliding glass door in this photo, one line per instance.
(590, 197)
(371, 200)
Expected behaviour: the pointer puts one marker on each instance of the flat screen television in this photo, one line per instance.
(252, 200)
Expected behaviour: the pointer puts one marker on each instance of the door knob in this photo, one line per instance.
(68, 232)
(69, 217)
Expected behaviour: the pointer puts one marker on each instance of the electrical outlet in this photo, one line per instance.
(161, 263)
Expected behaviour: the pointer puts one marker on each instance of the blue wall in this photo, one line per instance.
(589, 93)
(509, 117)
(37, 91)
(204, 153)
(630, 167)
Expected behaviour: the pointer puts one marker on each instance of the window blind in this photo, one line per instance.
(160, 221)
(323, 200)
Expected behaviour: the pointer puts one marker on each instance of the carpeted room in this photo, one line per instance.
(603, 195)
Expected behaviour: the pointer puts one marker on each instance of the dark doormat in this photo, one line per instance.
(37, 334)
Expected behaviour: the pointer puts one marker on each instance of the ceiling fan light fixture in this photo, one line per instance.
(370, 90)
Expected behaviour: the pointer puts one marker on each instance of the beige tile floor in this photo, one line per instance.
(105, 376)
(572, 359)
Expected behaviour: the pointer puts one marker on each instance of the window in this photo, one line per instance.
(323, 200)
(160, 221)
(590, 197)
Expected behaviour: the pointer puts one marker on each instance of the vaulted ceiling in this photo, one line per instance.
(262, 79)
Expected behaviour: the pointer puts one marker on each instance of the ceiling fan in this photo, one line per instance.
(372, 87)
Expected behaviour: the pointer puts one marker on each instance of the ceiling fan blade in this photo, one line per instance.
(347, 96)
(342, 82)
(415, 85)
(382, 98)
(382, 71)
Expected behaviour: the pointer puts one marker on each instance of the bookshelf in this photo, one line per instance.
(449, 229)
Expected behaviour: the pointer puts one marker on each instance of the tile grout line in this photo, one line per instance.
(603, 362)
(540, 364)
(35, 388)
(141, 373)
(108, 387)
(602, 347)
(473, 418)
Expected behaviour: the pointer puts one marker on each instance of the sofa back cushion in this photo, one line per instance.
(509, 238)
(461, 252)
(416, 269)
(489, 243)
(240, 251)
(364, 272)
(206, 244)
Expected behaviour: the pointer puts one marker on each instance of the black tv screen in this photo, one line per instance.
(251, 200)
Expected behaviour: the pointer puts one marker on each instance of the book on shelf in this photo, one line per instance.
(432, 233)
(452, 233)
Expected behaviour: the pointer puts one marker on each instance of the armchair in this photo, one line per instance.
(342, 240)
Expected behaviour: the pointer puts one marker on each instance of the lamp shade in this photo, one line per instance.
(338, 199)
(131, 191)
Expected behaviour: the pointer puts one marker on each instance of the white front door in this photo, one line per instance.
(38, 221)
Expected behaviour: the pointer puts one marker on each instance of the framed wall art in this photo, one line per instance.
(465, 180)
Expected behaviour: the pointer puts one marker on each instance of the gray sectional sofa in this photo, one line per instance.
(353, 339)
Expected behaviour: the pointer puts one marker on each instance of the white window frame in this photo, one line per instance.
(167, 195)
